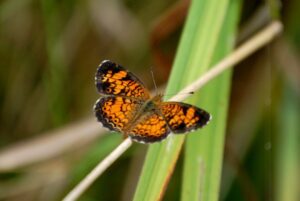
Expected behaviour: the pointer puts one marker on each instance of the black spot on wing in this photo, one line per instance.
(205, 117)
(180, 128)
(107, 65)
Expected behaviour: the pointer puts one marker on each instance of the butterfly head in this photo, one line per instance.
(157, 99)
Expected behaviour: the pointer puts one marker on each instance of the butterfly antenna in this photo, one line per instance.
(152, 74)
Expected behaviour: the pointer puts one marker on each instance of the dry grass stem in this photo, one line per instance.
(98, 170)
(256, 42)
(60, 140)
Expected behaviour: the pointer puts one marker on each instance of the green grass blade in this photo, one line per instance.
(199, 41)
(204, 152)
(287, 161)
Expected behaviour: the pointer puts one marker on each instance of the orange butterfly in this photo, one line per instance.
(126, 106)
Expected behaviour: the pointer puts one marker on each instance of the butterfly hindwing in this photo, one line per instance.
(115, 113)
(151, 127)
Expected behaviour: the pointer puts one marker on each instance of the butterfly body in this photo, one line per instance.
(127, 107)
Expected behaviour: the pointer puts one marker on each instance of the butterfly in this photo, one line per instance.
(126, 106)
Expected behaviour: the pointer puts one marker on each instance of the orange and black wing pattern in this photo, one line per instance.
(182, 117)
(151, 127)
(115, 113)
(113, 79)
(126, 107)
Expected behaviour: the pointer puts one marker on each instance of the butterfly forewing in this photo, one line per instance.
(182, 117)
(113, 79)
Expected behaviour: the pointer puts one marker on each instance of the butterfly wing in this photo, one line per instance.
(182, 117)
(113, 79)
(150, 128)
(115, 113)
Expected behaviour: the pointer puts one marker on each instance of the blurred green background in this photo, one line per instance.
(49, 52)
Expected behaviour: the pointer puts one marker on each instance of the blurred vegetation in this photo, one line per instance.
(50, 50)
